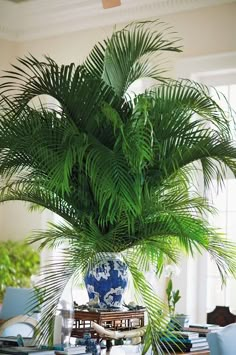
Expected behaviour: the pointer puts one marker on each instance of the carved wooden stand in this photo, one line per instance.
(116, 320)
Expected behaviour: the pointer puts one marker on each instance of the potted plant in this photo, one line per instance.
(116, 167)
(177, 320)
(18, 262)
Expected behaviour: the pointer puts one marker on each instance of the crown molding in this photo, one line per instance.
(210, 65)
(34, 19)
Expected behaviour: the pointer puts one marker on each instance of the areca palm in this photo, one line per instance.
(117, 169)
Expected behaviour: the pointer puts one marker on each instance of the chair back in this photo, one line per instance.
(221, 315)
(223, 342)
(17, 301)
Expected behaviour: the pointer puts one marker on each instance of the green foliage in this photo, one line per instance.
(18, 261)
(173, 296)
(117, 170)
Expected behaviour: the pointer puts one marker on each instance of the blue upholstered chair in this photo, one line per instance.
(17, 301)
(16, 316)
(23, 325)
(223, 342)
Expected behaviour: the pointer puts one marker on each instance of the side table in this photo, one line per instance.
(132, 349)
(113, 320)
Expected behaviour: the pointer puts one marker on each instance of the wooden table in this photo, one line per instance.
(132, 349)
(114, 320)
(117, 320)
(205, 352)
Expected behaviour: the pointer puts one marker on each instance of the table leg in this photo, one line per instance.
(108, 344)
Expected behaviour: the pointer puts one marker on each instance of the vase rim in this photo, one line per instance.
(109, 255)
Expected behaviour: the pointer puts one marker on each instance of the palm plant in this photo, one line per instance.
(116, 169)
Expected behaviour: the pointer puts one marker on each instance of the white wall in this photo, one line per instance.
(16, 221)
(204, 31)
(8, 53)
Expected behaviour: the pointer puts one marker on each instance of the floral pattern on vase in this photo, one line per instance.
(107, 280)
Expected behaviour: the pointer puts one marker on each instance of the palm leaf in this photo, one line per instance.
(125, 57)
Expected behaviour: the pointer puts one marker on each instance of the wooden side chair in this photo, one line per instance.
(222, 316)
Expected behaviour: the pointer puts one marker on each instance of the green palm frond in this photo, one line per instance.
(157, 311)
(126, 56)
(222, 252)
(33, 192)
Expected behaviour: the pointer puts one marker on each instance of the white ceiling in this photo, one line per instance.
(29, 19)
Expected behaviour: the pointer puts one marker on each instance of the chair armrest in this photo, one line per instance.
(24, 321)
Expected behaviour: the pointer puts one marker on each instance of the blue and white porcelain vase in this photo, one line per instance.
(106, 281)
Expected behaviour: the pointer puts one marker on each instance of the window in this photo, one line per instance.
(198, 276)
(225, 202)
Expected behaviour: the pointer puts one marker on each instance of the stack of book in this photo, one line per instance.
(203, 329)
(8, 341)
(184, 341)
(23, 350)
(72, 350)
